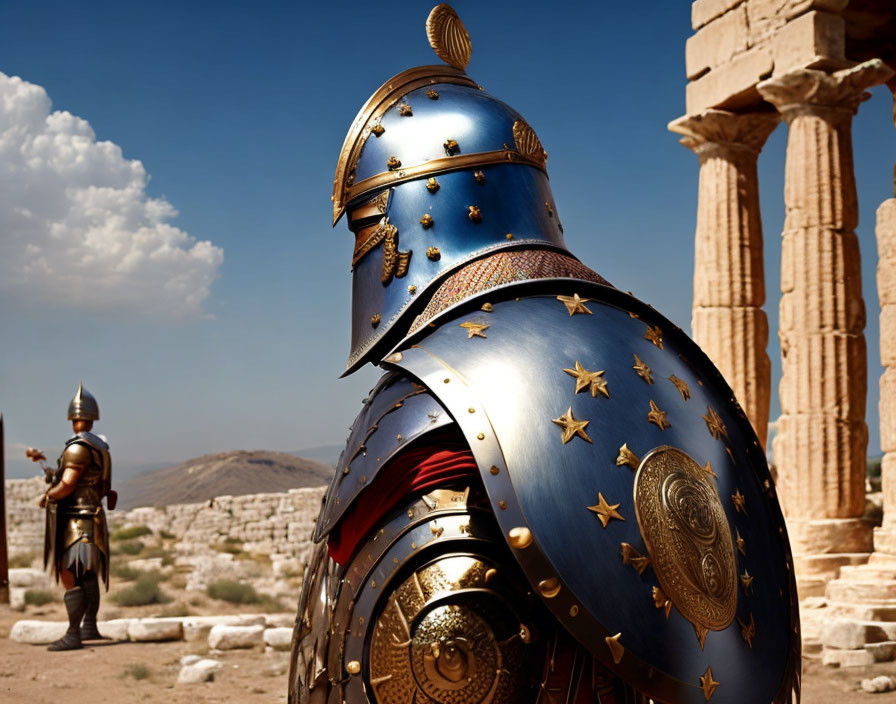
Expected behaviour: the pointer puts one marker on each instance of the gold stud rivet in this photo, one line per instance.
(377, 130)
(502, 504)
(549, 588)
(426, 221)
(549, 208)
(479, 176)
(432, 95)
(494, 470)
(446, 380)
(471, 410)
(520, 537)
(451, 147)
(354, 667)
(393, 163)
(574, 610)
(487, 307)
(480, 436)
(475, 213)
(433, 254)
(412, 289)
(509, 235)
(432, 185)
(405, 110)
(375, 319)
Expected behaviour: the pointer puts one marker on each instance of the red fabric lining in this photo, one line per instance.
(439, 463)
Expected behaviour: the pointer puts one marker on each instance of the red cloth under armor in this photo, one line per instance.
(444, 461)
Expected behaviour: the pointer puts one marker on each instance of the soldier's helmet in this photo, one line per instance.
(83, 406)
(434, 173)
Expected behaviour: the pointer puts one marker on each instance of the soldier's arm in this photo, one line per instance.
(74, 460)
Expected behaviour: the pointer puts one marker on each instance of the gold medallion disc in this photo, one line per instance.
(687, 536)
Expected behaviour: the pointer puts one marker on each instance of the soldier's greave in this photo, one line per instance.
(90, 584)
(74, 605)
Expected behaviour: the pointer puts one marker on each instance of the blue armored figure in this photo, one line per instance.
(551, 495)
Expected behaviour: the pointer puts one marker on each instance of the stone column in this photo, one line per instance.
(820, 448)
(885, 536)
(729, 283)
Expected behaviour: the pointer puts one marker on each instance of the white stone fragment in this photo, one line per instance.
(155, 629)
(203, 670)
(224, 637)
(278, 638)
(37, 632)
(879, 684)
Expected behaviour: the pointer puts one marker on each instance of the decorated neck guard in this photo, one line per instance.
(434, 173)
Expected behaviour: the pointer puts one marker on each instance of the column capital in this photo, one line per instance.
(714, 129)
(809, 91)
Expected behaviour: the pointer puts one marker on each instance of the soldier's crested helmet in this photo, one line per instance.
(83, 406)
(433, 174)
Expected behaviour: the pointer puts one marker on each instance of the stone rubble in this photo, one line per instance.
(201, 670)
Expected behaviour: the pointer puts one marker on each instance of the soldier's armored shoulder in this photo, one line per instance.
(397, 414)
(606, 440)
(77, 456)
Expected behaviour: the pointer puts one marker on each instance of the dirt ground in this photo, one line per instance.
(99, 674)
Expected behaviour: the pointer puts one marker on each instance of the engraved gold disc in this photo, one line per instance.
(687, 536)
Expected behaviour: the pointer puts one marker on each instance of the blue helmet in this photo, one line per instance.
(434, 173)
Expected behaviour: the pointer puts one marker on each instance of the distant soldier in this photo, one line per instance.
(76, 542)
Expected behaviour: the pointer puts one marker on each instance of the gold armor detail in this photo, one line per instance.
(452, 655)
(448, 37)
(79, 517)
(687, 537)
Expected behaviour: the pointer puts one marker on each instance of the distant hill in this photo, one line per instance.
(227, 473)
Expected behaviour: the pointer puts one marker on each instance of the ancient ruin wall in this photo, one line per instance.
(273, 524)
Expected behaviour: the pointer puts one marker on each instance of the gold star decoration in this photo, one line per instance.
(642, 370)
(682, 387)
(627, 458)
(748, 630)
(708, 684)
(715, 424)
(741, 545)
(616, 649)
(571, 426)
(605, 512)
(585, 380)
(740, 502)
(632, 557)
(574, 304)
(661, 601)
(475, 329)
(655, 415)
(708, 469)
(655, 335)
(746, 579)
(701, 632)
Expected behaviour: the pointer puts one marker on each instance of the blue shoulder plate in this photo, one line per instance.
(397, 412)
(627, 482)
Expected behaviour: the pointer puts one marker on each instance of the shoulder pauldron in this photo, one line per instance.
(396, 413)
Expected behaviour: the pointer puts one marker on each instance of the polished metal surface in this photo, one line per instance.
(551, 459)
(491, 193)
(396, 414)
(83, 406)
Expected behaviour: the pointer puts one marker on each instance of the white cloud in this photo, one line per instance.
(77, 228)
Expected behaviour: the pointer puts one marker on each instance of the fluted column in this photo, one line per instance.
(729, 282)
(820, 447)
(885, 536)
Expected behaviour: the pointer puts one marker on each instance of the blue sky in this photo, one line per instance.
(237, 112)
